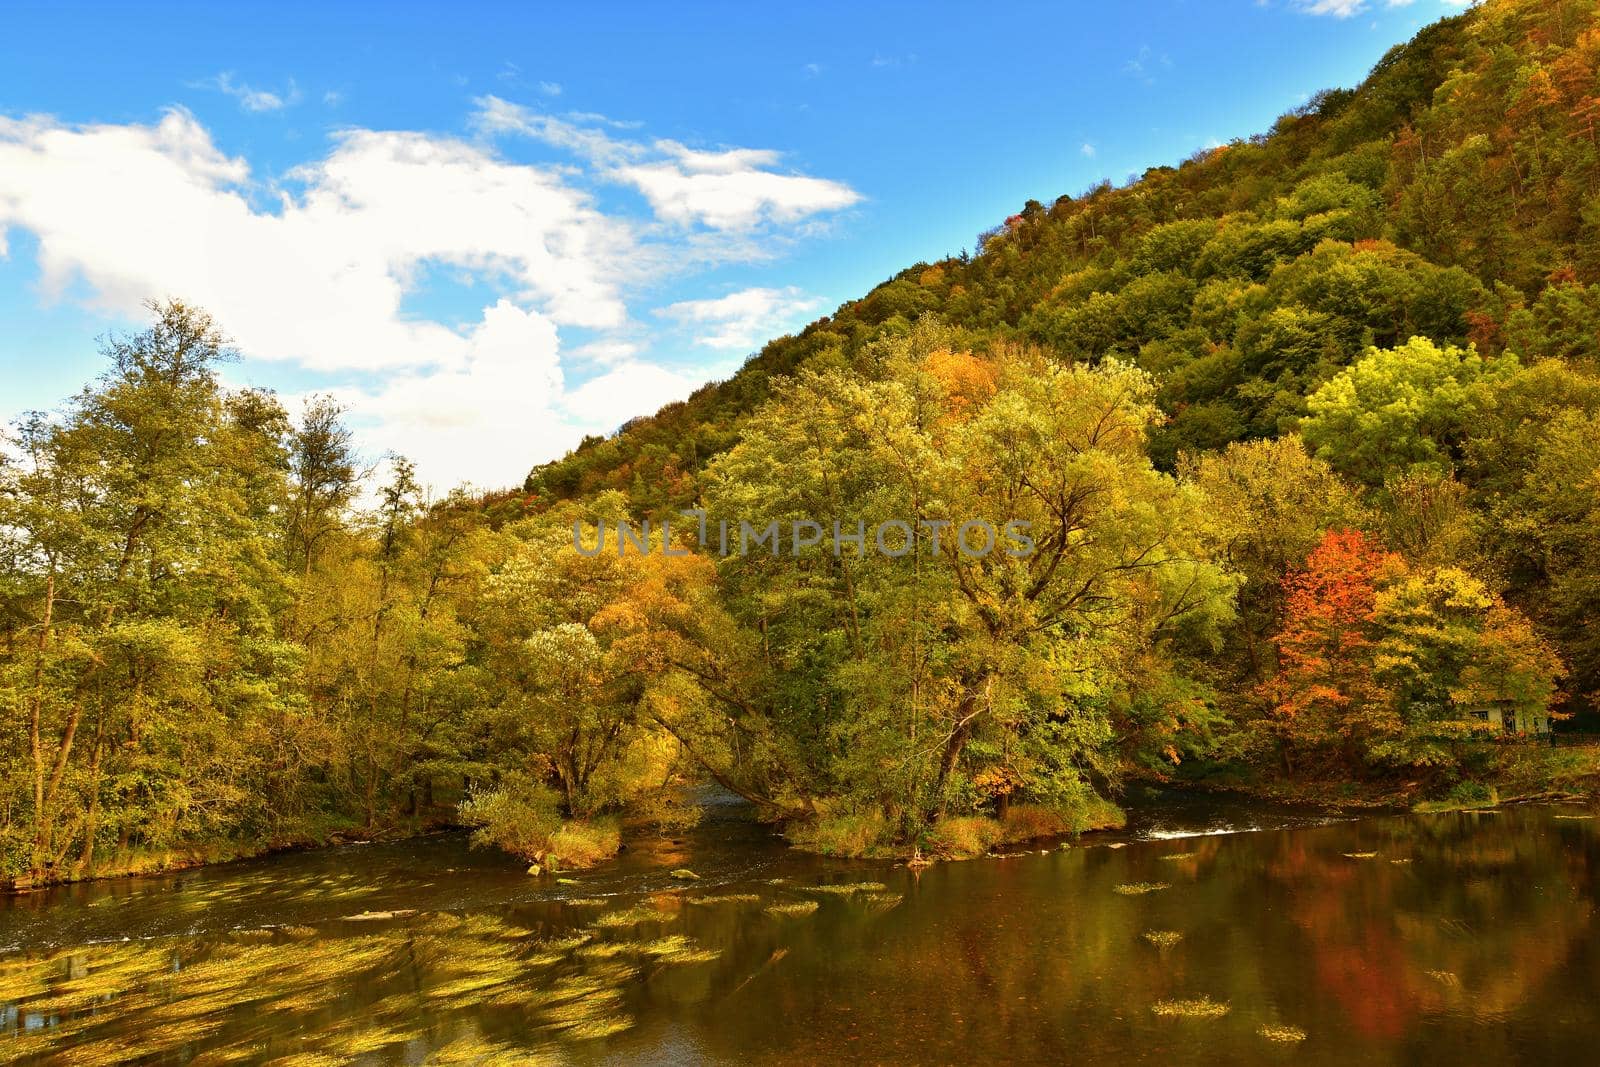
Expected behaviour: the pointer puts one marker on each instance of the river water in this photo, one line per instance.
(1211, 931)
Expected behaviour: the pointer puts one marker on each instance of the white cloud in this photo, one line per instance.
(1339, 9)
(495, 116)
(632, 389)
(729, 189)
(733, 199)
(607, 352)
(316, 270)
(141, 210)
(743, 320)
(485, 419)
(1343, 9)
(1087, 149)
(252, 99)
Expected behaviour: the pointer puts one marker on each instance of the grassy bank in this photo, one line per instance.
(144, 862)
(1501, 774)
(149, 861)
(858, 835)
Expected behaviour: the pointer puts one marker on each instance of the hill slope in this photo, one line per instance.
(1451, 195)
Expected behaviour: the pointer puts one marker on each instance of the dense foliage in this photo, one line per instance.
(1306, 432)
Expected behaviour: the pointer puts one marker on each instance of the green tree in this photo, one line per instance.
(1404, 407)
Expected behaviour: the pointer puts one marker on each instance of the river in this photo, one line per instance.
(1210, 931)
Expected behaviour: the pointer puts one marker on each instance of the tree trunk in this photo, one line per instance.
(41, 827)
(91, 826)
(966, 713)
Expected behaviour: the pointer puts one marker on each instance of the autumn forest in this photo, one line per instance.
(1306, 430)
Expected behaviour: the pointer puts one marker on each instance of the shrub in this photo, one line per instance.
(963, 836)
(1465, 795)
(1027, 822)
(1475, 793)
(519, 816)
(851, 834)
(1085, 811)
(583, 843)
(1098, 813)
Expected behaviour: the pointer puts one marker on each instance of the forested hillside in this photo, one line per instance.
(1452, 196)
(1306, 431)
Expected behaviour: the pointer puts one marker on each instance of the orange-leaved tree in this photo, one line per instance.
(1324, 692)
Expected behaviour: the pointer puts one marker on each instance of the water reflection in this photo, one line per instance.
(1384, 940)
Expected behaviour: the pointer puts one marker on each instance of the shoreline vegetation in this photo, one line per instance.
(578, 846)
(1302, 430)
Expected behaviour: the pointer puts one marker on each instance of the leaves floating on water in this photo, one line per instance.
(846, 888)
(728, 898)
(677, 950)
(1198, 1008)
(1178, 856)
(632, 917)
(310, 1059)
(1163, 938)
(594, 1029)
(480, 1052)
(362, 1042)
(1570, 816)
(1360, 855)
(1445, 978)
(1133, 889)
(604, 950)
(1286, 1034)
(793, 908)
(566, 944)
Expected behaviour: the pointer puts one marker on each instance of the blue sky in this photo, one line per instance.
(490, 229)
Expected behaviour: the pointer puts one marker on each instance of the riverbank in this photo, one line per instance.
(1518, 773)
(869, 835)
(149, 862)
(1512, 774)
(144, 863)
(838, 836)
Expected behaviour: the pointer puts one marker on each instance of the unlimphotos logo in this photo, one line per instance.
(974, 538)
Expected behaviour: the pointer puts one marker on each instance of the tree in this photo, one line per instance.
(323, 480)
(1324, 692)
(137, 554)
(916, 681)
(1447, 644)
(1272, 503)
(1401, 408)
